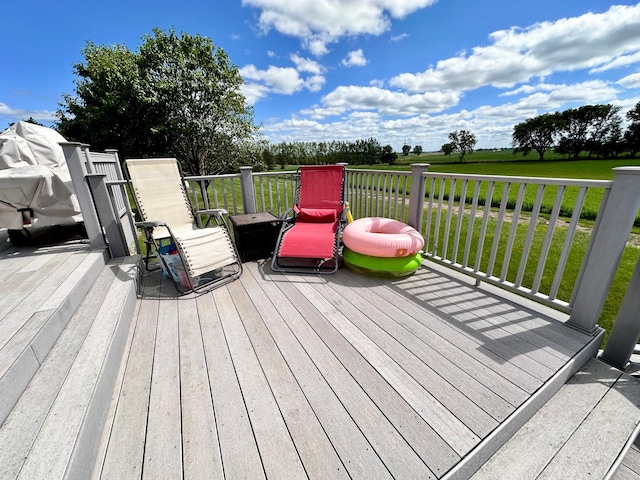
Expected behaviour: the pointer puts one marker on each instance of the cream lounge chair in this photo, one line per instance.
(195, 259)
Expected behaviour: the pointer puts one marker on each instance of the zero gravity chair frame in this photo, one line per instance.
(309, 239)
(195, 259)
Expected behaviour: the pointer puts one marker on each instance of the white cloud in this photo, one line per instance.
(278, 79)
(385, 102)
(355, 59)
(17, 114)
(621, 61)
(314, 83)
(282, 80)
(397, 38)
(368, 112)
(320, 22)
(306, 64)
(254, 92)
(516, 55)
(630, 81)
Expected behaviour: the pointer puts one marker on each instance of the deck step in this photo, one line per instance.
(46, 292)
(562, 440)
(54, 428)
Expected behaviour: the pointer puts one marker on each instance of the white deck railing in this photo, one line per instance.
(519, 233)
(485, 227)
(376, 193)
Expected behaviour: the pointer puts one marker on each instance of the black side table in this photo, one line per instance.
(255, 234)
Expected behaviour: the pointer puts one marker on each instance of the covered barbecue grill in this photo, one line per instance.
(35, 185)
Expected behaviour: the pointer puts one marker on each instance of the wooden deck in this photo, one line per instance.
(340, 376)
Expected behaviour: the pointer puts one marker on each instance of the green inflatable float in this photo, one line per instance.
(381, 266)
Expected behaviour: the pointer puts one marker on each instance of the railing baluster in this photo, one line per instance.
(512, 232)
(378, 195)
(483, 226)
(496, 238)
(205, 195)
(530, 232)
(564, 255)
(472, 221)
(447, 225)
(389, 186)
(404, 201)
(428, 242)
(436, 234)
(546, 245)
(461, 204)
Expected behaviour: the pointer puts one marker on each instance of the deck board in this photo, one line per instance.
(163, 447)
(200, 439)
(304, 376)
(124, 456)
(264, 326)
(238, 448)
(279, 456)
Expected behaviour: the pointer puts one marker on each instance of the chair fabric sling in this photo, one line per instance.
(207, 256)
(309, 238)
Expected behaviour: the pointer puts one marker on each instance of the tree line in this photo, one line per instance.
(594, 129)
(359, 152)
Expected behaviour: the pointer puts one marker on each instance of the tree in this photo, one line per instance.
(406, 149)
(586, 128)
(177, 95)
(388, 155)
(417, 150)
(537, 133)
(463, 142)
(632, 134)
(447, 149)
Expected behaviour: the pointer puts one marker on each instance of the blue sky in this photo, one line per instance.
(319, 70)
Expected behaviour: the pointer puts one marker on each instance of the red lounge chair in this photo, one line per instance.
(310, 234)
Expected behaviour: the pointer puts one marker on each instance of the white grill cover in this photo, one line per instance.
(34, 175)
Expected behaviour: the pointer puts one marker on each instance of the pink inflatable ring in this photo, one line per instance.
(382, 237)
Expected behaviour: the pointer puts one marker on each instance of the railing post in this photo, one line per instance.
(73, 155)
(248, 190)
(617, 219)
(626, 329)
(87, 157)
(108, 218)
(416, 197)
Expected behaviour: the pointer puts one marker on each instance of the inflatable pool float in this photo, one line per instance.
(394, 267)
(382, 237)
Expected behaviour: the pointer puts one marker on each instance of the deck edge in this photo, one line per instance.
(494, 441)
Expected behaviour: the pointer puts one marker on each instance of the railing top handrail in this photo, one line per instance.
(197, 178)
(569, 182)
(392, 172)
(115, 182)
(274, 173)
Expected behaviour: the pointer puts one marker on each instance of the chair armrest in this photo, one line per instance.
(150, 224)
(213, 211)
(217, 213)
(285, 216)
